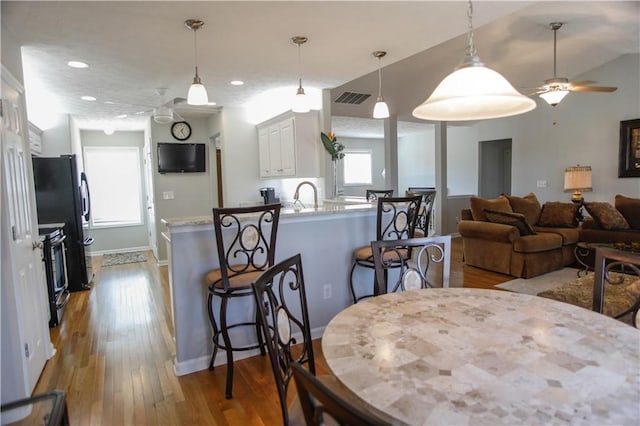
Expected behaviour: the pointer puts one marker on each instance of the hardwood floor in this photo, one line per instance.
(115, 349)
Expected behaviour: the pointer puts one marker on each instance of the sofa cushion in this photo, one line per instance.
(514, 219)
(569, 235)
(559, 215)
(630, 209)
(479, 204)
(606, 216)
(528, 205)
(537, 243)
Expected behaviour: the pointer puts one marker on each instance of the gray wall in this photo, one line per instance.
(194, 193)
(115, 238)
(416, 160)
(583, 129)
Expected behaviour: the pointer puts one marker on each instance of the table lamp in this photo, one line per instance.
(577, 179)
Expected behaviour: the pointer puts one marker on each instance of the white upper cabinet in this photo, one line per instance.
(288, 146)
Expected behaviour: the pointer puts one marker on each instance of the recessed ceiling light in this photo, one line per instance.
(236, 82)
(211, 103)
(121, 116)
(77, 64)
(88, 98)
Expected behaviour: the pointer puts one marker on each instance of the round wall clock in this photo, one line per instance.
(181, 130)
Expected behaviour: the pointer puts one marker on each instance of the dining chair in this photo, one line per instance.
(396, 220)
(424, 216)
(416, 261)
(374, 194)
(280, 296)
(246, 245)
(318, 400)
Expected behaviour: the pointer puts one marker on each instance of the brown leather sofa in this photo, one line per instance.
(504, 248)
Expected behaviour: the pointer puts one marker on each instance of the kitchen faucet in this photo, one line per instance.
(296, 195)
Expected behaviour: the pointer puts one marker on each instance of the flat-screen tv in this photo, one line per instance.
(181, 157)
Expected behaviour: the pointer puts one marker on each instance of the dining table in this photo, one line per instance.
(465, 356)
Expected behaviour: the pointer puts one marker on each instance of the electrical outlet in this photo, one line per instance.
(327, 290)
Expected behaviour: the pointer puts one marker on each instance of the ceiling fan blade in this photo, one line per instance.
(603, 89)
(583, 83)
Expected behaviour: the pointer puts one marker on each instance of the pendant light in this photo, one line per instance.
(380, 110)
(197, 93)
(301, 102)
(473, 92)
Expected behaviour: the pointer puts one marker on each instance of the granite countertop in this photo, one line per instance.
(472, 356)
(288, 212)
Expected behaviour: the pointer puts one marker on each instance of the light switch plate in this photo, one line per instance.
(167, 195)
(542, 184)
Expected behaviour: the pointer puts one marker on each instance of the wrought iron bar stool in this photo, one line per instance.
(246, 245)
(424, 217)
(396, 220)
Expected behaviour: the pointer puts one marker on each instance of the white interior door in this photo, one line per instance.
(151, 210)
(21, 255)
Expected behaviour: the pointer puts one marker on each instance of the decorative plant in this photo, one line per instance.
(332, 146)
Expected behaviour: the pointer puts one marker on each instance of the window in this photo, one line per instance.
(115, 184)
(357, 167)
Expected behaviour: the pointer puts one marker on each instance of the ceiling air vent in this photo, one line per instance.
(352, 98)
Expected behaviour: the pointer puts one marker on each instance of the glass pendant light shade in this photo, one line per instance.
(197, 93)
(473, 92)
(554, 97)
(163, 115)
(380, 110)
(301, 101)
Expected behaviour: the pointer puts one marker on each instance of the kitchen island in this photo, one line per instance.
(325, 236)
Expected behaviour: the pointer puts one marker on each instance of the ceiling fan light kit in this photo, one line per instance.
(473, 92)
(300, 101)
(197, 94)
(380, 109)
(555, 89)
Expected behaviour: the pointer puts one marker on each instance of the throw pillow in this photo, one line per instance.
(606, 216)
(478, 205)
(528, 205)
(630, 209)
(559, 215)
(514, 219)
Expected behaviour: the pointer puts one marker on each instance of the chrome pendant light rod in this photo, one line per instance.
(197, 94)
(195, 25)
(301, 103)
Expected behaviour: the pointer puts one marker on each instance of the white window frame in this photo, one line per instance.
(344, 167)
(136, 184)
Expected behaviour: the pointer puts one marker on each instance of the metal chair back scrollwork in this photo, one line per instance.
(374, 194)
(424, 217)
(282, 307)
(427, 259)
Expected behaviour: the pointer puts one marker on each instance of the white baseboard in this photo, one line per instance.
(202, 363)
(120, 250)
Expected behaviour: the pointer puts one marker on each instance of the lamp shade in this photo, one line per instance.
(554, 97)
(473, 92)
(197, 94)
(380, 110)
(163, 115)
(577, 178)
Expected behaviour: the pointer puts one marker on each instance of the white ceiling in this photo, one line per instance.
(134, 47)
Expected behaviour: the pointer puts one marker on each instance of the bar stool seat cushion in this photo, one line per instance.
(236, 281)
(365, 254)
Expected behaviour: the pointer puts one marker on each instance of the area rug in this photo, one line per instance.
(540, 283)
(111, 259)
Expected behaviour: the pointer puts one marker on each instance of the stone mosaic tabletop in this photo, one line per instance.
(470, 357)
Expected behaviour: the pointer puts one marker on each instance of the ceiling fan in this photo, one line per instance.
(166, 112)
(555, 89)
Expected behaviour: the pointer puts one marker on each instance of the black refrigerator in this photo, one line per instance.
(62, 195)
